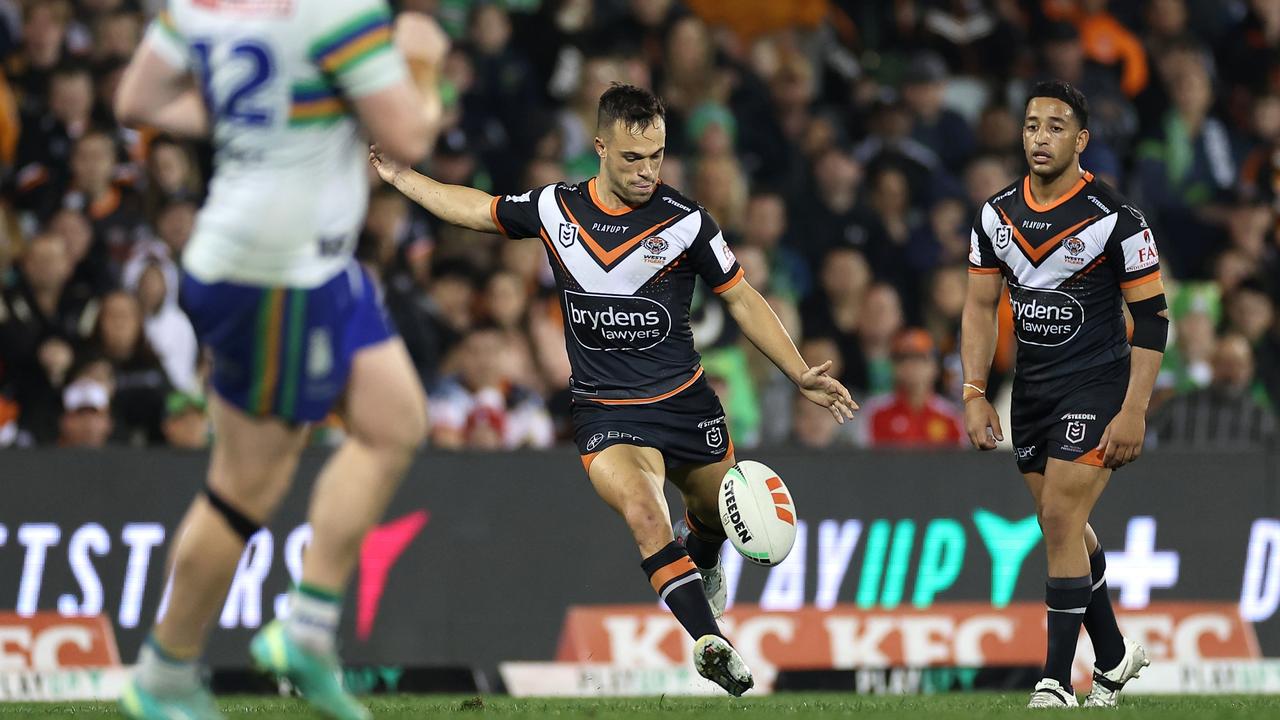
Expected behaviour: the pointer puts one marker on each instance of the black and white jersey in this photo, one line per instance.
(626, 280)
(1066, 264)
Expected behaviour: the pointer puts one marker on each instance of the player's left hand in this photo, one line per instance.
(826, 391)
(1122, 440)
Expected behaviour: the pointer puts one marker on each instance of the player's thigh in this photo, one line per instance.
(1071, 489)
(700, 484)
(385, 404)
(1035, 484)
(629, 479)
(253, 458)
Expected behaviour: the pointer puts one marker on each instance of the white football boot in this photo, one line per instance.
(1107, 685)
(1049, 693)
(716, 660)
(712, 578)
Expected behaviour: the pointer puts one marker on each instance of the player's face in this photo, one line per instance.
(631, 159)
(1052, 137)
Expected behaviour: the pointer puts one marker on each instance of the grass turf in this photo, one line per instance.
(936, 707)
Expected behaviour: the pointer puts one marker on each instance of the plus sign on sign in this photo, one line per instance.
(1139, 567)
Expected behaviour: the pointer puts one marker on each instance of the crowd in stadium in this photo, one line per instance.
(843, 146)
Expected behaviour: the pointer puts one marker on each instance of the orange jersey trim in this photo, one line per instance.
(1031, 201)
(1140, 281)
(493, 213)
(1037, 254)
(983, 270)
(656, 398)
(595, 199)
(737, 278)
(608, 257)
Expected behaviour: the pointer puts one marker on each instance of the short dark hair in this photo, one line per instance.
(1064, 91)
(636, 107)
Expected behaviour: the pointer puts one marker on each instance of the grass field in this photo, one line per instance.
(763, 708)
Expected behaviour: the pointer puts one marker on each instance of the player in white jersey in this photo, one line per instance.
(282, 88)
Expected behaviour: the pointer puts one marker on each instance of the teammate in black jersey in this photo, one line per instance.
(1071, 249)
(626, 251)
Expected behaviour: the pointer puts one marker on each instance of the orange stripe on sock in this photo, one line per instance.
(671, 571)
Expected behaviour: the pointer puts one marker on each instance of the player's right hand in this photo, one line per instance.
(982, 422)
(387, 168)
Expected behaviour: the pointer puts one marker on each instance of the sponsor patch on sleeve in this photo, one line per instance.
(723, 253)
(1140, 251)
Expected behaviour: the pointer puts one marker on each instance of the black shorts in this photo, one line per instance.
(1064, 417)
(688, 428)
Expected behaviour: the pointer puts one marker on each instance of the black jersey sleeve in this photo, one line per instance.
(517, 215)
(982, 256)
(1132, 250)
(712, 258)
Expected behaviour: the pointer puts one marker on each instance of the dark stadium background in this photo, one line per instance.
(842, 145)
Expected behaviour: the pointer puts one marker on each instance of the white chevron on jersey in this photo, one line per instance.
(1059, 264)
(631, 273)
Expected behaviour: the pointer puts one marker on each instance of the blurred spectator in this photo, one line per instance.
(86, 419)
(1222, 416)
(153, 277)
(1251, 312)
(1196, 309)
(937, 127)
(913, 415)
(830, 215)
(837, 309)
(186, 424)
(1188, 166)
(91, 275)
(479, 407)
(44, 32)
(878, 325)
(42, 168)
(141, 384)
(40, 323)
(943, 310)
(766, 229)
(172, 174)
(114, 210)
(1105, 40)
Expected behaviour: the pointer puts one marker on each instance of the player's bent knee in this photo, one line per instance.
(648, 522)
(1060, 522)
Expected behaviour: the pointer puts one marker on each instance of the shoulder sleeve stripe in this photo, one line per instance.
(164, 21)
(737, 278)
(356, 40)
(493, 213)
(1140, 281)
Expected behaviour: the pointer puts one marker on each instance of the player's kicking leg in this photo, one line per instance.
(630, 479)
(700, 531)
(250, 470)
(1076, 591)
(385, 413)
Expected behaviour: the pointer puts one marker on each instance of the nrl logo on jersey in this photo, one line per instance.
(1003, 234)
(568, 234)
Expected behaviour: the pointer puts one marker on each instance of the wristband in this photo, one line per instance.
(973, 391)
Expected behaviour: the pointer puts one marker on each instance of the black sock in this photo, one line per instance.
(1066, 599)
(704, 541)
(679, 584)
(1100, 619)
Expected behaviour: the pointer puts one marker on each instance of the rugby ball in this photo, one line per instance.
(758, 513)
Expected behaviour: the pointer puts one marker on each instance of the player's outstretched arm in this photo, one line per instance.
(455, 204)
(1122, 440)
(763, 328)
(977, 348)
(155, 93)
